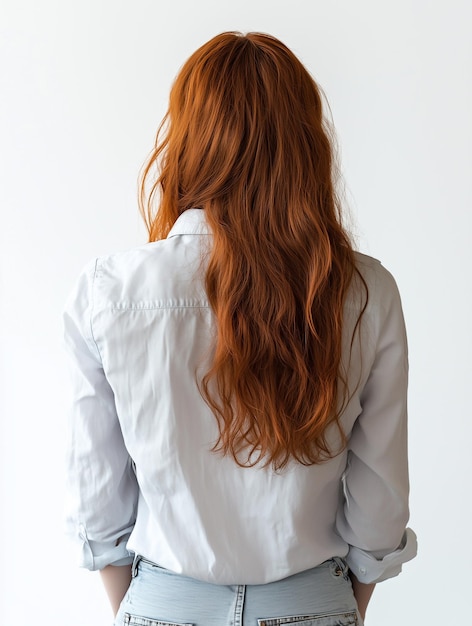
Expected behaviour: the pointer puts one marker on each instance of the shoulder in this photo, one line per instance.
(375, 292)
(378, 279)
(381, 297)
(108, 275)
(132, 275)
(126, 263)
(155, 274)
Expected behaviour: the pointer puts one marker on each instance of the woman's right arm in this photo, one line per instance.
(116, 580)
(102, 490)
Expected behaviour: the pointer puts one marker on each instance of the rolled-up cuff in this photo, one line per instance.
(96, 555)
(368, 569)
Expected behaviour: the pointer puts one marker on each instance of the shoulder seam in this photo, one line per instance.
(92, 306)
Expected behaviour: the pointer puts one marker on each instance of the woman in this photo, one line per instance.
(238, 429)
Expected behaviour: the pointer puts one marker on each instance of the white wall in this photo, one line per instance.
(83, 86)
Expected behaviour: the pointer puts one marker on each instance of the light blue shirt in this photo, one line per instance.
(141, 474)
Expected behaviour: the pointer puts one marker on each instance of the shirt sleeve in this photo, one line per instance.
(374, 511)
(101, 485)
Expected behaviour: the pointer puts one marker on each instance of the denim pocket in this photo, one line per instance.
(333, 619)
(137, 620)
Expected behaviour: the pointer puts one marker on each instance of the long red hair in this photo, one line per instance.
(245, 140)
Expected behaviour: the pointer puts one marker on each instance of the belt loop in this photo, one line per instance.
(341, 568)
(134, 569)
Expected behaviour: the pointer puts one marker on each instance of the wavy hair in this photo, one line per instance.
(245, 139)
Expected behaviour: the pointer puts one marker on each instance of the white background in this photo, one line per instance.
(83, 86)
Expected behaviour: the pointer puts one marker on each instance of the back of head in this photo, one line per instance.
(245, 139)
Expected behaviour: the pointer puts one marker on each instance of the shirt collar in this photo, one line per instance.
(190, 222)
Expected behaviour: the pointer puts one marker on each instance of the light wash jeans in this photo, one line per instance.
(321, 596)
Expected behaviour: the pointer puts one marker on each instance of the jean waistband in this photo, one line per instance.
(136, 561)
(337, 564)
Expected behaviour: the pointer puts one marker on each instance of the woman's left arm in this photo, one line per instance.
(374, 512)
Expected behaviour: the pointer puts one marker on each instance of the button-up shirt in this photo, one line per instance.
(142, 476)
